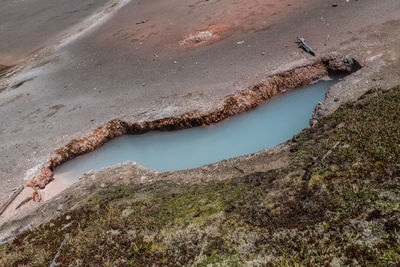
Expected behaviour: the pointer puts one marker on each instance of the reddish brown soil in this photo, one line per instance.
(205, 36)
(173, 25)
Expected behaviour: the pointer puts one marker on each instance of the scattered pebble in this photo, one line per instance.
(340, 125)
(327, 39)
(240, 42)
(141, 22)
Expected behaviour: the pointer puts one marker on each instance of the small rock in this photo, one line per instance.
(114, 232)
(132, 234)
(37, 197)
(68, 217)
(334, 4)
(127, 212)
(336, 99)
(340, 125)
(102, 185)
(60, 207)
(141, 22)
(313, 122)
(240, 42)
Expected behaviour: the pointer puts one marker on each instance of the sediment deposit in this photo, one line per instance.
(240, 102)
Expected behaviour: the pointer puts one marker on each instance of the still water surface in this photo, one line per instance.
(264, 127)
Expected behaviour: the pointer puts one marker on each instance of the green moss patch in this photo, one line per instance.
(345, 211)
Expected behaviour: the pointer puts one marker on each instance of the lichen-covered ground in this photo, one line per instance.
(337, 203)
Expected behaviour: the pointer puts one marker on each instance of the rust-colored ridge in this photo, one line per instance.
(240, 102)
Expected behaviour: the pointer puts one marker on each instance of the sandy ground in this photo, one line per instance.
(152, 59)
(27, 26)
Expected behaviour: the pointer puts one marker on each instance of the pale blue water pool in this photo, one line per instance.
(264, 127)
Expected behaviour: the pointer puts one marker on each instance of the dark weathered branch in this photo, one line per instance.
(302, 44)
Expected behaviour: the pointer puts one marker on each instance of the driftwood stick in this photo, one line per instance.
(11, 199)
(318, 161)
(53, 263)
(302, 44)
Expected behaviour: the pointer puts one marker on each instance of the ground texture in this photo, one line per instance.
(70, 67)
(337, 202)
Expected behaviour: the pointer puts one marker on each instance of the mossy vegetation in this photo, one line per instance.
(345, 212)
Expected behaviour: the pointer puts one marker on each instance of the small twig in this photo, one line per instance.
(53, 263)
(66, 226)
(315, 163)
(8, 239)
(11, 199)
(239, 169)
(307, 174)
(23, 202)
(12, 190)
(329, 151)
